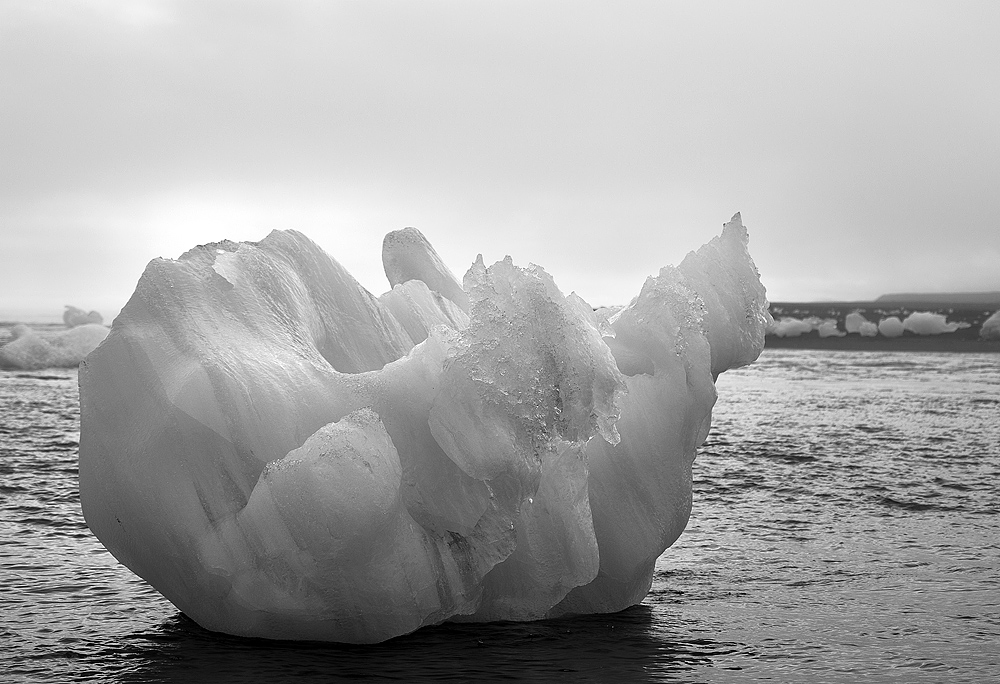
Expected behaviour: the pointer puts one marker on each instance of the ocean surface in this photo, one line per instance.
(846, 527)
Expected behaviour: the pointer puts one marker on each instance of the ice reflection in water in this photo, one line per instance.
(845, 526)
(634, 645)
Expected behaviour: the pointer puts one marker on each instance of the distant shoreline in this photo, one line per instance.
(965, 340)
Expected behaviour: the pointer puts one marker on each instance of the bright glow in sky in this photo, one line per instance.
(599, 140)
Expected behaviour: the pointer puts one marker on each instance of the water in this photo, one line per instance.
(846, 526)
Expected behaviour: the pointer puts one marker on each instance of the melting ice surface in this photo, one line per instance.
(283, 455)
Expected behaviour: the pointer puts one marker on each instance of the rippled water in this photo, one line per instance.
(846, 526)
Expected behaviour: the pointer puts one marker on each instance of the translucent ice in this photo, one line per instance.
(283, 455)
(30, 351)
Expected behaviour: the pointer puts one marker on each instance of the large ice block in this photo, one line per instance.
(283, 455)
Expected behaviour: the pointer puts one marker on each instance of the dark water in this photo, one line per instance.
(846, 526)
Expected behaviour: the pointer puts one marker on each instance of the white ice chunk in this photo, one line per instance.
(788, 326)
(868, 329)
(855, 322)
(890, 326)
(990, 329)
(930, 323)
(828, 328)
(282, 455)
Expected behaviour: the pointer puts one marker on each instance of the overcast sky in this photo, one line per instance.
(601, 141)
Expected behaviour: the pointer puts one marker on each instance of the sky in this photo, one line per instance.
(599, 140)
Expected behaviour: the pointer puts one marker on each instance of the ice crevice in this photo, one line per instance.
(283, 455)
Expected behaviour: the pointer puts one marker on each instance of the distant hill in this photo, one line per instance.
(942, 298)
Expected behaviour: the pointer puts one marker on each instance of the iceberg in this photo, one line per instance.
(283, 455)
(30, 351)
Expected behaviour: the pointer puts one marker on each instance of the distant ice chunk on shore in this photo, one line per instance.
(73, 317)
(924, 323)
(890, 326)
(30, 351)
(828, 328)
(788, 326)
(283, 455)
(990, 329)
(855, 322)
(930, 323)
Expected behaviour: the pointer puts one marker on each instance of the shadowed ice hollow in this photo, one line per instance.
(283, 455)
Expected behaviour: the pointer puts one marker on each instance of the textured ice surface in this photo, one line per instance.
(30, 351)
(283, 455)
